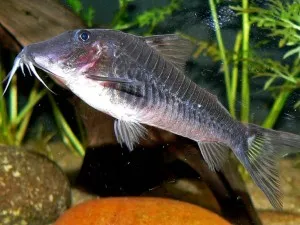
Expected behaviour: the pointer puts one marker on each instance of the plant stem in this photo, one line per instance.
(22, 129)
(235, 72)
(120, 13)
(81, 129)
(33, 99)
(13, 99)
(221, 48)
(276, 109)
(293, 25)
(3, 112)
(2, 99)
(66, 131)
(24, 116)
(245, 78)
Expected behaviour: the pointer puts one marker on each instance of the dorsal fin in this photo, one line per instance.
(173, 48)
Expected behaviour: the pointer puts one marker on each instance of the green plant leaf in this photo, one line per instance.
(76, 5)
(282, 19)
(150, 18)
(292, 52)
(88, 16)
(124, 3)
(297, 105)
(269, 82)
(68, 137)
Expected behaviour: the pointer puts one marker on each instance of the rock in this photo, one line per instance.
(279, 218)
(79, 195)
(194, 191)
(69, 162)
(139, 211)
(33, 190)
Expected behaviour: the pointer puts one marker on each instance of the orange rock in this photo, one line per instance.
(138, 211)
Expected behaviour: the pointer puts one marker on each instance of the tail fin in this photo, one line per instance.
(260, 158)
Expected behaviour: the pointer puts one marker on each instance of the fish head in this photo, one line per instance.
(71, 54)
(68, 57)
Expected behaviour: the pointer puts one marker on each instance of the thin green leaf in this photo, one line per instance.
(75, 5)
(269, 82)
(66, 131)
(297, 104)
(88, 16)
(124, 3)
(292, 52)
(33, 100)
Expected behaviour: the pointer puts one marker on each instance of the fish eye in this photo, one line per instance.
(84, 36)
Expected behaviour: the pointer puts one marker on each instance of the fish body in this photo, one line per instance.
(141, 80)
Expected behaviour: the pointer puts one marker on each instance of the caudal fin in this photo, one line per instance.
(260, 157)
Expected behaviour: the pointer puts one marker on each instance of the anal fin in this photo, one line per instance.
(129, 133)
(214, 154)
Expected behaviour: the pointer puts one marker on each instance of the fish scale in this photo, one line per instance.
(143, 55)
(176, 84)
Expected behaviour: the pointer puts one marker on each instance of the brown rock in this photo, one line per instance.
(139, 211)
(33, 190)
(279, 218)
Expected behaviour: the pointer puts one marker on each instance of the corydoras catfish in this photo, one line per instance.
(141, 80)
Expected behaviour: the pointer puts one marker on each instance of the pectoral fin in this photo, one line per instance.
(214, 154)
(121, 84)
(109, 79)
(129, 132)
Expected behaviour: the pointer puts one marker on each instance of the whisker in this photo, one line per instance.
(11, 73)
(22, 68)
(38, 77)
(28, 69)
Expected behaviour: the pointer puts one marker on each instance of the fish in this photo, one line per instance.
(142, 81)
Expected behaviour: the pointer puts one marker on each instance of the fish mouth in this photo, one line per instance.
(23, 60)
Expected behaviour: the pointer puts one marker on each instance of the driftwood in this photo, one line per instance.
(30, 21)
(23, 22)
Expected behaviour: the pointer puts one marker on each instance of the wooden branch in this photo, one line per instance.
(30, 21)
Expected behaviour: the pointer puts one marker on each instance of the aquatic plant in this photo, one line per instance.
(15, 117)
(148, 19)
(280, 20)
(14, 122)
(68, 136)
(86, 14)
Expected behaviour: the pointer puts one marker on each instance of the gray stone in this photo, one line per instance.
(33, 190)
